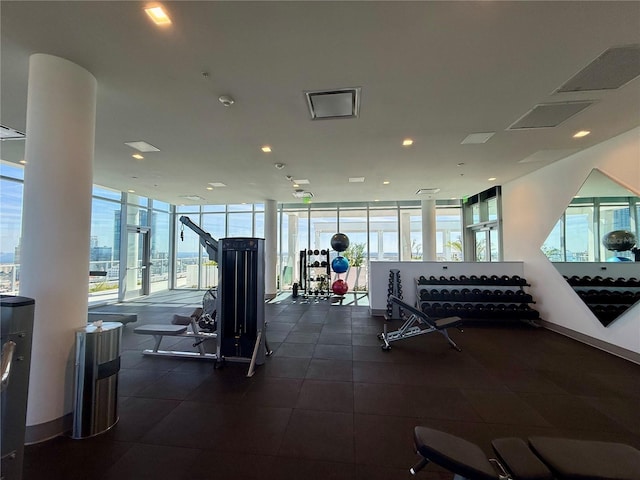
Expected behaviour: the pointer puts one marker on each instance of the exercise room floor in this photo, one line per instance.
(330, 404)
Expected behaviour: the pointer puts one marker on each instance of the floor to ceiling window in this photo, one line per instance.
(160, 245)
(11, 191)
(105, 245)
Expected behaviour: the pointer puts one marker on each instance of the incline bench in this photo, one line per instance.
(541, 458)
(418, 323)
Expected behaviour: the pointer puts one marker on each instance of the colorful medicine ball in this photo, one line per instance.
(340, 264)
(339, 242)
(619, 241)
(339, 287)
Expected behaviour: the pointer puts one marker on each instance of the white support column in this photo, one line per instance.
(61, 112)
(293, 248)
(428, 230)
(271, 248)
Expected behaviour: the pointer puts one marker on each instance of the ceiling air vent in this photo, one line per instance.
(330, 104)
(427, 191)
(302, 194)
(193, 198)
(549, 114)
(616, 67)
(8, 133)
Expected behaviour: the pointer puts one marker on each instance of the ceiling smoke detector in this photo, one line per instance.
(226, 100)
(279, 166)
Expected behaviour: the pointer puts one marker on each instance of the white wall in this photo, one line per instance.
(531, 206)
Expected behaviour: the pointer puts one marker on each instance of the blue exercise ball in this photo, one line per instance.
(340, 264)
(339, 242)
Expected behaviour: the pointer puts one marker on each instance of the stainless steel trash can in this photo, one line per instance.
(96, 378)
(15, 341)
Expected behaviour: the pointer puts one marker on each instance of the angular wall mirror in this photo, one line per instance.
(595, 246)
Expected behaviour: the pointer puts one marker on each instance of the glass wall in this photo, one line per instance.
(11, 191)
(105, 245)
(449, 246)
(194, 269)
(388, 231)
(160, 246)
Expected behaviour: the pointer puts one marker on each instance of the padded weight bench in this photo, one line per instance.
(542, 458)
(418, 323)
(179, 328)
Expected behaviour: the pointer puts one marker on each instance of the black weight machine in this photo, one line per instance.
(237, 323)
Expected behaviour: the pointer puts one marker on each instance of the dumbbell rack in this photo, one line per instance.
(315, 270)
(394, 312)
(607, 298)
(477, 298)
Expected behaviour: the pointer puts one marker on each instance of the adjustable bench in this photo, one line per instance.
(417, 323)
(542, 458)
(179, 328)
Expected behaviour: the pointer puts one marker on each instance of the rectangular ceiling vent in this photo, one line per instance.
(8, 133)
(332, 104)
(193, 198)
(427, 191)
(302, 194)
(549, 115)
(614, 68)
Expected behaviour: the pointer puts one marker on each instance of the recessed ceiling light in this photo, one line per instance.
(209, 188)
(266, 149)
(158, 15)
(407, 142)
(137, 156)
(491, 179)
(142, 146)
(131, 191)
(296, 185)
(23, 162)
(386, 182)
(376, 200)
(356, 179)
(475, 138)
(302, 181)
(581, 133)
(217, 184)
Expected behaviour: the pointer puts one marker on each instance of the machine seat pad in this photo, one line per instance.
(181, 320)
(156, 329)
(447, 322)
(588, 460)
(453, 453)
(515, 454)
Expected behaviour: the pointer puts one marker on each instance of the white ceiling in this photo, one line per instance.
(432, 71)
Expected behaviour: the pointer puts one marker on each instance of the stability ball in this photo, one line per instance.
(619, 241)
(339, 287)
(339, 242)
(340, 264)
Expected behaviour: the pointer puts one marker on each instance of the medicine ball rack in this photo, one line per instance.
(315, 270)
(607, 298)
(477, 298)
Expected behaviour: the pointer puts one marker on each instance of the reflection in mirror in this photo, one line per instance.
(595, 246)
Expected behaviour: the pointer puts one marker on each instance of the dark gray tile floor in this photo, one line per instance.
(330, 404)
